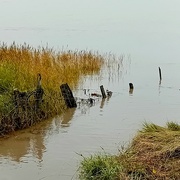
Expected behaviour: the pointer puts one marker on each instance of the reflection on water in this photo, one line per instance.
(21, 144)
(131, 91)
(66, 117)
(102, 103)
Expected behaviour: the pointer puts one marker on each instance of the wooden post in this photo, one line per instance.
(102, 91)
(68, 96)
(160, 76)
(131, 88)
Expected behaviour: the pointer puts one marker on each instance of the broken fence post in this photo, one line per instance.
(68, 96)
(102, 91)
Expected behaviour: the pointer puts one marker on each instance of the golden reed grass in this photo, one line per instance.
(55, 67)
(20, 64)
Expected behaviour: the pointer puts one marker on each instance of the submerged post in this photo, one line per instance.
(160, 76)
(102, 91)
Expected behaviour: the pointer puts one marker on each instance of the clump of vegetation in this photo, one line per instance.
(19, 67)
(173, 126)
(99, 166)
(150, 127)
(153, 154)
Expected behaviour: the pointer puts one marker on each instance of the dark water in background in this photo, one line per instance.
(146, 32)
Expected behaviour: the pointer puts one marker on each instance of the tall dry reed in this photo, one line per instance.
(20, 64)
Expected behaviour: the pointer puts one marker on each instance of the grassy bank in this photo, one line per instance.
(153, 154)
(19, 67)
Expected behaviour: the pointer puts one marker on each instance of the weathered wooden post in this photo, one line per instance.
(131, 88)
(160, 76)
(68, 96)
(102, 91)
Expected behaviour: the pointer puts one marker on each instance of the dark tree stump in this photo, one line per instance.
(68, 96)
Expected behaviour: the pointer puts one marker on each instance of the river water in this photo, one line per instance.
(146, 33)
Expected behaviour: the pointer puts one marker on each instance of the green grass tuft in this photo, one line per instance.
(150, 127)
(153, 154)
(173, 126)
(99, 166)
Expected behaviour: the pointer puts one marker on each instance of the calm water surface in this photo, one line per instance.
(146, 32)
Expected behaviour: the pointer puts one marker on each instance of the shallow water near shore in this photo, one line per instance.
(148, 37)
(53, 148)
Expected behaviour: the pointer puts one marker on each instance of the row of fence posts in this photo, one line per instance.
(131, 86)
(21, 98)
(70, 100)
